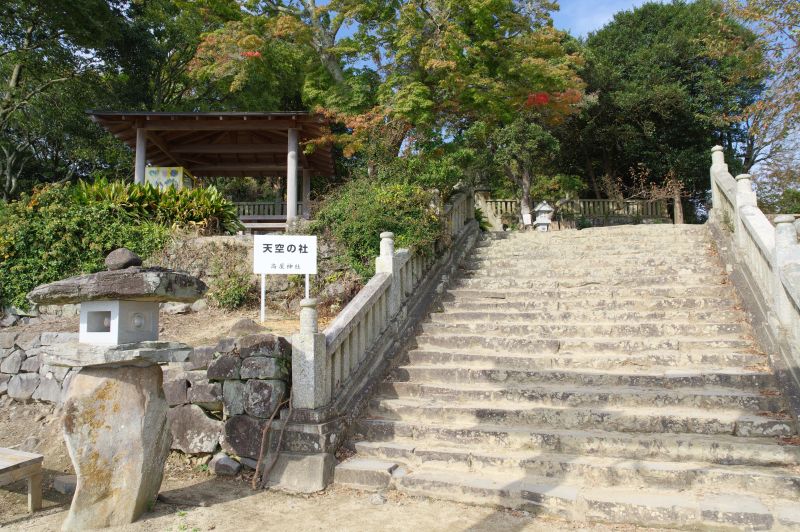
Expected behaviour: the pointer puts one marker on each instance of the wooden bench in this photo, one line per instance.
(18, 465)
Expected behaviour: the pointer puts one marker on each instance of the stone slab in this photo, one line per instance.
(130, 284)
(193, 432)
(75, 354)
(303, 473)
(365, 473)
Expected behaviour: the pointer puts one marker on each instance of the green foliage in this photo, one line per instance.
(231, 289)
(205, 208)
(480, 218)
(583, 223)
(48, 235)
(668, 81)
(789, 202)
(359, 211)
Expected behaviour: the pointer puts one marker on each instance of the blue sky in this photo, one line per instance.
(580, 17)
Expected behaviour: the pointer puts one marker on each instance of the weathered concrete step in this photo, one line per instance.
(595, 294)
(677, 420)
(716, 449)
(488, 301)
(443, 325)
(615, 505)
(364, 473)
(670, 378)
(499, 343)
(495, 312)
(769, 400)
(605, 360)
(581, 284)
(589, 471)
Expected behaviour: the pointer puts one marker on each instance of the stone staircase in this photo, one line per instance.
(600, 375)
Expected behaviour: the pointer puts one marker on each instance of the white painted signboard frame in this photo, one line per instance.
(283, 255)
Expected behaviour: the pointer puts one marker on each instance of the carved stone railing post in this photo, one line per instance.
(786, 251)
(717, 165)
(386, 262)
(745, 197)
(310, 379)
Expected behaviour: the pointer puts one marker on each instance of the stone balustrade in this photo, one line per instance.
(765, 263)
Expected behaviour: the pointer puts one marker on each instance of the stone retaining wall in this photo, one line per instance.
(221, 398)
(23, 375)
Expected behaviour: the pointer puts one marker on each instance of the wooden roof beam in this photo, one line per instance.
(217, 125)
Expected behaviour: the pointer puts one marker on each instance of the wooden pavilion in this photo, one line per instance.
(229, 144)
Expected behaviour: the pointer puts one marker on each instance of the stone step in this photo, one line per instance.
(665, 377)
(711, 397)
(717, 449)
(647, 419)
(591, 294)
(579, 284)
(496, 312)
(588, 471)
(605, 360)
(572, 330)
(548, 270)
(616, 248)
(499, 343)
(489, 301)
(661, 508)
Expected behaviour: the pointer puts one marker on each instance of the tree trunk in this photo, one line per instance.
(677, 206)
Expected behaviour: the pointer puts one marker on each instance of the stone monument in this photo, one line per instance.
(115, 412)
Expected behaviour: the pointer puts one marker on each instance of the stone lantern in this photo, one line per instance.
(115, 413)
(544, 215)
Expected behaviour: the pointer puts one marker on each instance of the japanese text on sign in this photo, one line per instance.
(285, 254)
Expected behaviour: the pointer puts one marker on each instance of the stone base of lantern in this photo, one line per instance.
(115, 426)
(116, 429)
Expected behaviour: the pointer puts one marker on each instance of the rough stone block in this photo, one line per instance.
(4, 383)
(176, 308)
(226, 345)
(23, 385)
(193, 431)
(200, 358)
(243, 436)
(202, 392)
(31, 364)
(225, 367)
(263, 345)
(175, 390)
(261, 398)
(13, 362)
(56, 338)
(199, 305)
(59, 372)
(233, 398)
(115, 427)
(261, 368)
(224, 465)
(245, 326)
(66, 384)
(7, 339)
(49, 390)
(28, 340)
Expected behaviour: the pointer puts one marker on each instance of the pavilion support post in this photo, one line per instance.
(291, 176)
(306, 193)
(141, 155)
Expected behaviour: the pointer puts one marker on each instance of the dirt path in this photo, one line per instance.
(229, 505)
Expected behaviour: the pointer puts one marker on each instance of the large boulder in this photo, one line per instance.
(193, 432)
(115, 427)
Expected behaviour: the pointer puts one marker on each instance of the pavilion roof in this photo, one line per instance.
(220, 144)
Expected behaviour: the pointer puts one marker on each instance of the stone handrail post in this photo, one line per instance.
(387, 262)
(717, 165)
(310, 386)
(745, 197)
(786, 251)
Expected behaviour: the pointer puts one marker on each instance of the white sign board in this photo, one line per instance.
(285, 254)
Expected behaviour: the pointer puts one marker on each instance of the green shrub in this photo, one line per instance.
(480, 218)
(204, 208)
(231, 290)
(48, 235)
(360, 210)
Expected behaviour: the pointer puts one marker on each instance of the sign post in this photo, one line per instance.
(283, 255)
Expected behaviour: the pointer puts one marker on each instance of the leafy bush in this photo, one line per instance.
(359, 211)
(49, 235)
(204, 207)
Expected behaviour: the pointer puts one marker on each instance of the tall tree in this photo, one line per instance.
(662, 94)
